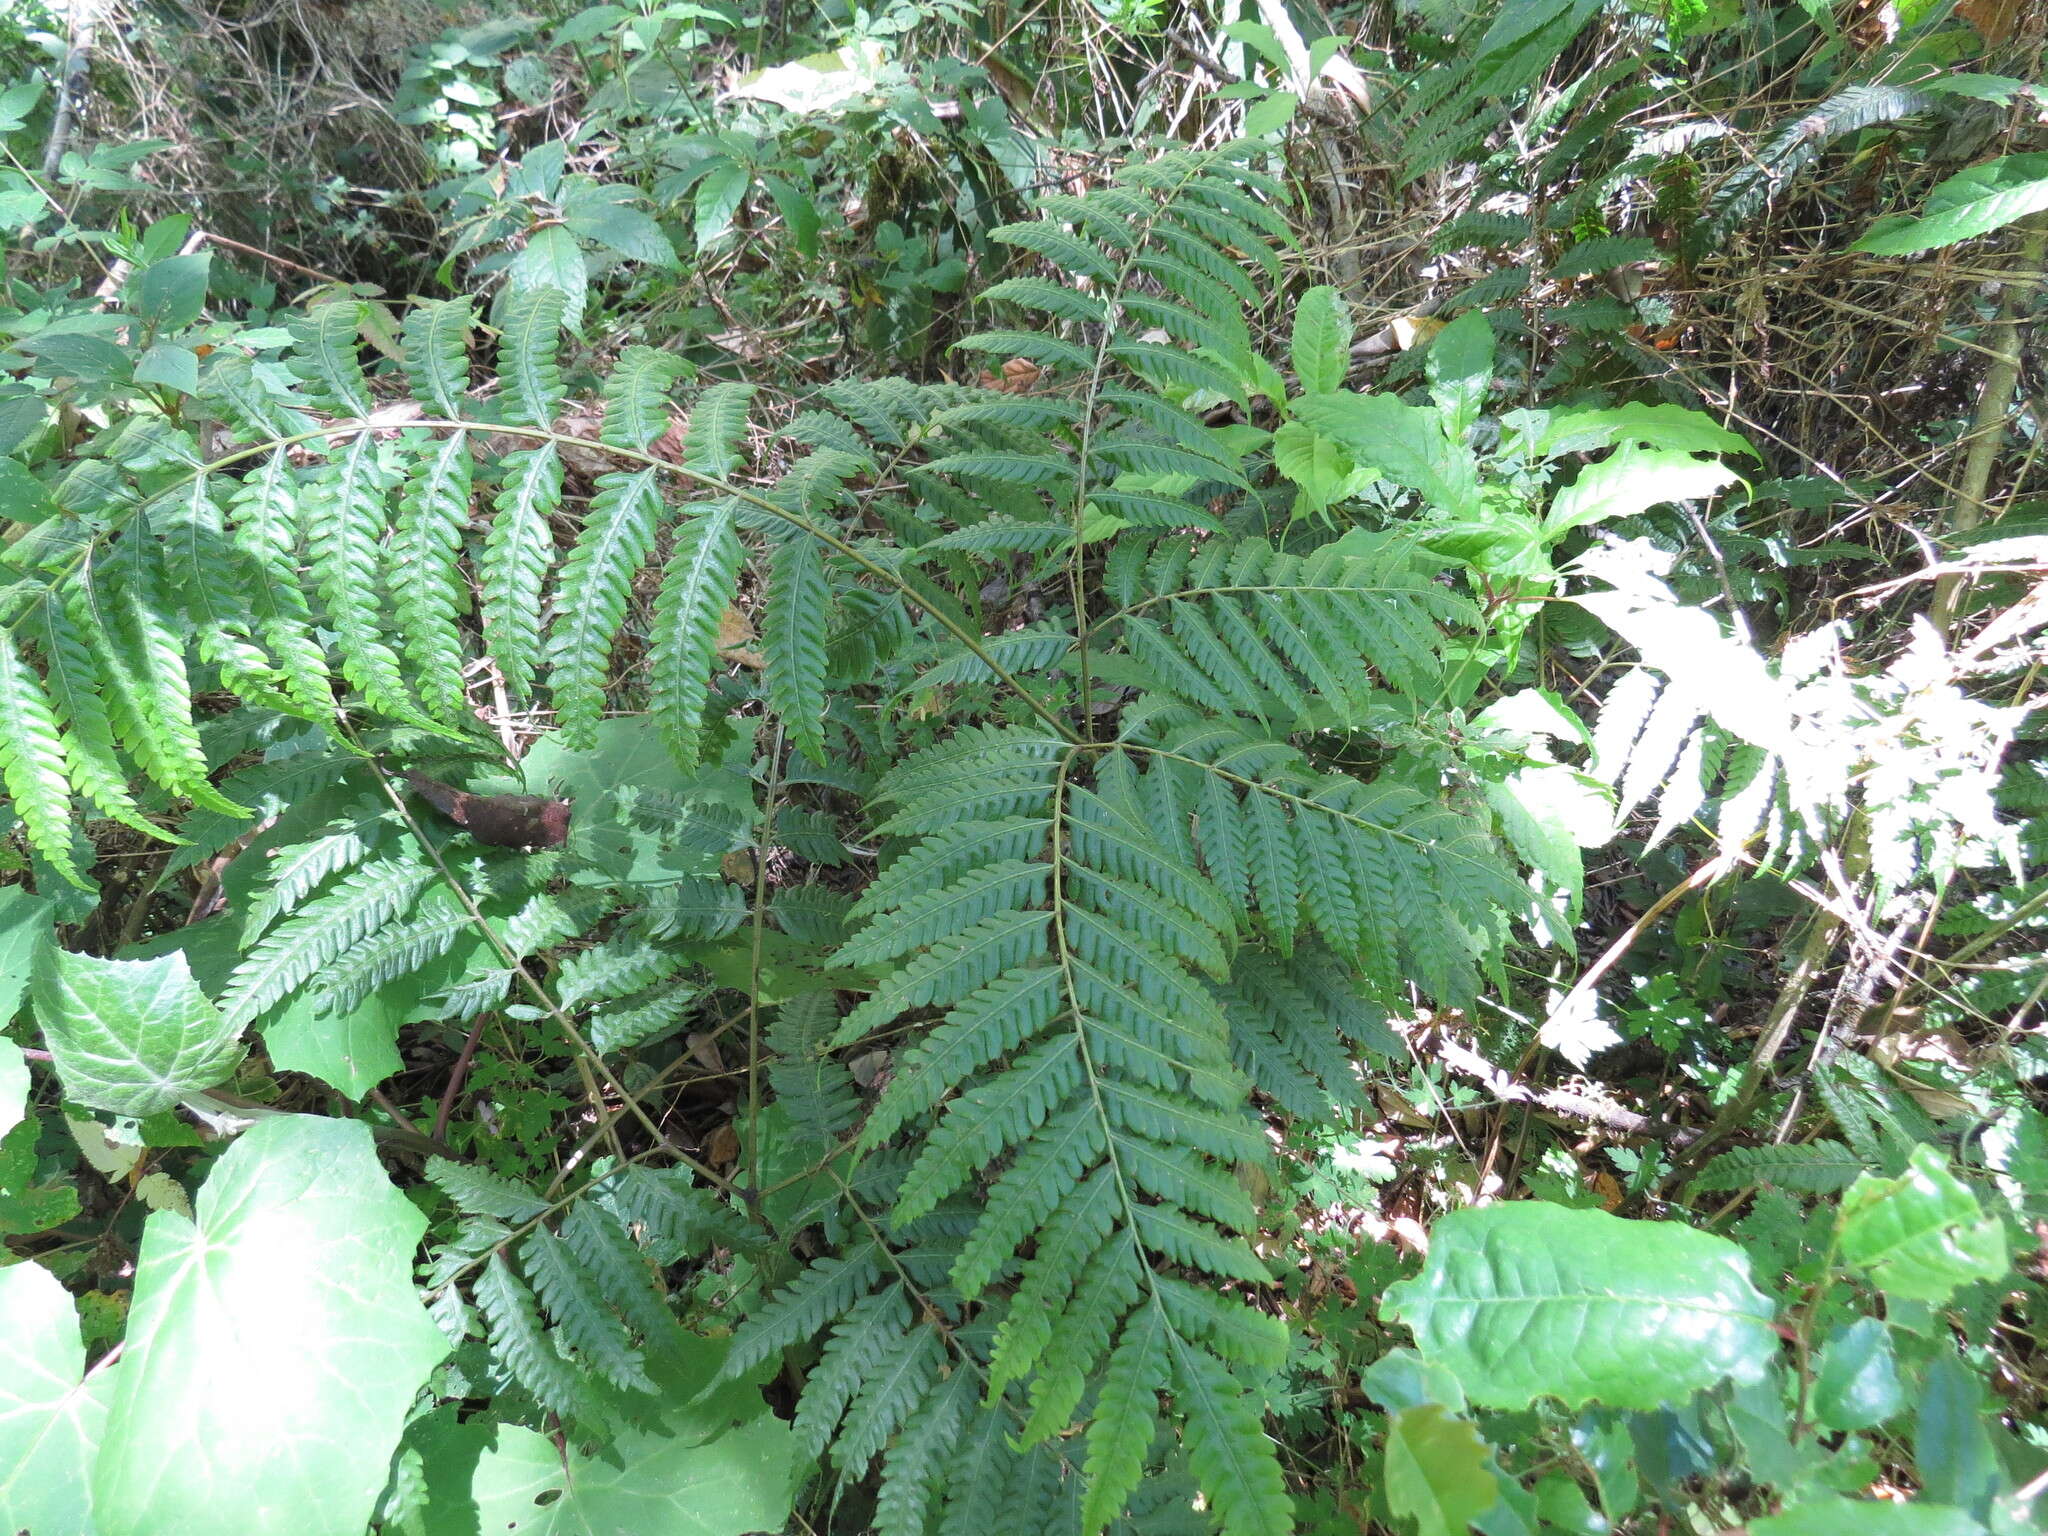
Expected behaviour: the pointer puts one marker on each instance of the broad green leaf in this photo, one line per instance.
(1322, 341)
(50, 1421)
(648, 1483)
(1857, 1384)
(1439, 1470)
(1970, 203)
(551, 258)
(717, 198)
(1529, 1299)
(75, 355)
(1405, 442)
(170, 294)
(1270, 114)
(1867, 1517)
(132, 1036)
(605, 215)
(1323, 471)
(352, 1051)
(23, 498)
(1661, 425)
(1922, 1234)
(274, 1345)
(1952, 1438)
(170, 365)
(1460, 366)
(1630, 481)
(798, 212)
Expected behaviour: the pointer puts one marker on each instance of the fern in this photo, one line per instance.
(718, 420)
(318, 934)
(592, 593)
(701, 570)
(32, 764)
(323, 358)
(515, 561)
(793, 640)
(1815, 1167)
(345, 527)
(636, 409)
(1162, 880)
(424, 579)
(437, 353)
(532, 325)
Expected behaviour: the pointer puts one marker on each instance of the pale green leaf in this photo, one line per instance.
(274, 1345)
(1921, 1235)
(1631, 481)
(1970, 203)
(645, 1483)
(1439, 1470)
(1528, 1299)
(50, 1421)
(131, 1036)
(1321, 344)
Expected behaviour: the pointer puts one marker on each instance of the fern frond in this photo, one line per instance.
(1126, 1415)
(209, 573)
(591, 596)
(698, 584)
(576, 1305)
(265, 517)
(345, 528)
(1065, 251)
(864, 1338)
(397, 949)
(717, 426)
(1814, 1167)
(891, 1390)
(621, 1272)
(297, 872)
(479, 1192)
(323, 358)
(76, 692)
(143, 659)
(32, 763)
(516, 556)
(793, 627)
(426, 585)
(524, 1347)
(921, 1455)
(436, 360)
(636, 405)
(1046, 351)
(1049, 298)
(319, 933)
(1227, 1445)
(818, 1093)
(531, 337)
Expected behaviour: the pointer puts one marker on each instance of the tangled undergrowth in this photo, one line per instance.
(937, 770)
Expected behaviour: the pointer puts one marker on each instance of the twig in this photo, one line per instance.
(456, 1074)
(270, 256)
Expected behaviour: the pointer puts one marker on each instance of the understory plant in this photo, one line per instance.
(1033, 820)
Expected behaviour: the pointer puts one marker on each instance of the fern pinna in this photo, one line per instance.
(1185, 839)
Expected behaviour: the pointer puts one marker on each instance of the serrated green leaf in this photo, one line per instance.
(1527, 1299)
(131, 1036)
